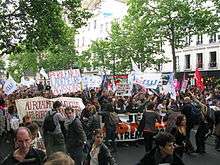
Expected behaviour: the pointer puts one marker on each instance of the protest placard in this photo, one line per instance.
(123, 90)
(184, 86)
(65, 81)
(37, 107)
(91, 81)
(147, 80)
(9, 86)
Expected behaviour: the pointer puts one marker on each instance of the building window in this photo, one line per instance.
(83, 41)
(199, 39)
(212, 38)
(187, 61)
(199, 60)
(95, 24)
(177, 63)
(213, 60)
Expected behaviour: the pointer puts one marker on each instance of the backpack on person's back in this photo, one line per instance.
(196, 115)
(113, 118)
(49, 124)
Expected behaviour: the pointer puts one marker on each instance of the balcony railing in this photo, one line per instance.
(212, 64)
(199, 43)
(212, 40)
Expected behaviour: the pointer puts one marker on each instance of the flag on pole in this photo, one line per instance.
(9, 86)
(113, 86)
(134, 66)
(43, 73)
(104, 84)
(198, 79)
(184, 76)
(170, 87)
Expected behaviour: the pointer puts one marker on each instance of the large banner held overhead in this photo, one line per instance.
(65, 81)
(147, 80)
(37, 107)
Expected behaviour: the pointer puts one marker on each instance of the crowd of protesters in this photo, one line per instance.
(85, 141)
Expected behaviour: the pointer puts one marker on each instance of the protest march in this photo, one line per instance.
(70, 109)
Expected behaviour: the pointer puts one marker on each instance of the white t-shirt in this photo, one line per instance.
(94, 155)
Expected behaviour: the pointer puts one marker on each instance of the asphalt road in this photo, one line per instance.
(130, 155)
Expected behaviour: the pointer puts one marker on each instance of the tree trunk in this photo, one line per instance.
(172, 43)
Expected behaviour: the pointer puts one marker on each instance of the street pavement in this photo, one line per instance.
(130, 155)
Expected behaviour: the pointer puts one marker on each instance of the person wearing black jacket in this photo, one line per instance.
(110, 126)
(163, 153)
(24, 154)
(187, 111)
(75, 136)
(147, 125)
(99, 153)
(217, 129)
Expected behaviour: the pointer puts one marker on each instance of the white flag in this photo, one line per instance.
(9, 86)
(43, 73)
(27, 83)
(134, 66)
(170, 87)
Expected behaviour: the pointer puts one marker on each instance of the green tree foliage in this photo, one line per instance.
(2, 65)
(41, 29)
(98, 55)
(151, 23)
(134, 37)
(176, 19)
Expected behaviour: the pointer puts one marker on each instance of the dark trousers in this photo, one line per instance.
(217, 142)
(54, 143)
(148, 140)
(111, 135)
(77, 155)
(180, 150)
(189, 147)
(201, 136)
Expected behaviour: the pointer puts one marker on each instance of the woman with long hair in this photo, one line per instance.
(179, 132)
(99, 153)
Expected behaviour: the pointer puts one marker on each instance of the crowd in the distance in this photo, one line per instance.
(85, 141)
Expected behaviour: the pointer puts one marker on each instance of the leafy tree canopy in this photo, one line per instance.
(41, 30)
(151, 23)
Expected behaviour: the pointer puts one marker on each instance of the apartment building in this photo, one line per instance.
(99, 26)
(200, 51)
